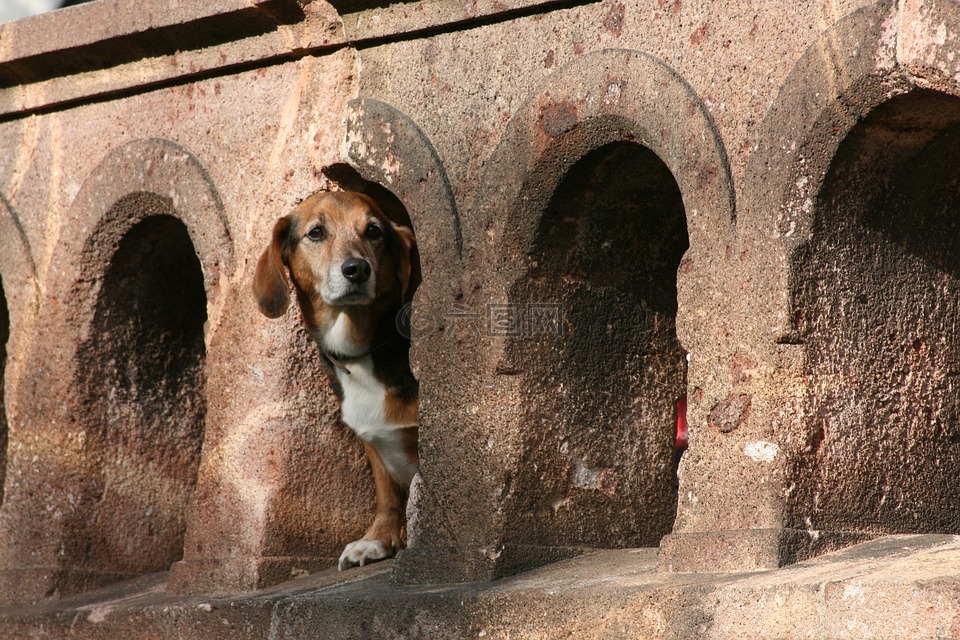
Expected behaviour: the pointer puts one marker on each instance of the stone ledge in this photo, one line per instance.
(109, 47)
(894, 587)
(88, 24)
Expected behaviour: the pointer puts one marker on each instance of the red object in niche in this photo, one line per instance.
(682, 423)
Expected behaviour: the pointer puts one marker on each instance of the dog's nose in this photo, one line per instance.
(356, 270)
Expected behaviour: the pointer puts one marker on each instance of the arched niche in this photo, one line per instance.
(150, 276)
(875, 298)
(514, 479)
(141, 373)
(80, 536)
(855, 122)
(590, 332)
(313, 490)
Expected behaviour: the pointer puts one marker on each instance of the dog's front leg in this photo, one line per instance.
(383, 538)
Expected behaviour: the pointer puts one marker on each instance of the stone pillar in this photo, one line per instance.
(514, 473)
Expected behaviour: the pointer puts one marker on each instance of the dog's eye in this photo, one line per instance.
(374, 232)
(317, 233)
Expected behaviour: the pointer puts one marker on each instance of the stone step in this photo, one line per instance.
(894, 587)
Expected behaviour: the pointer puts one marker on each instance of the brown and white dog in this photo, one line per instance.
(351, 269)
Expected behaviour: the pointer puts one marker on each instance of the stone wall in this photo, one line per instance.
(598, 189)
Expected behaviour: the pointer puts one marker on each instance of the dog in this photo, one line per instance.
(351, 268)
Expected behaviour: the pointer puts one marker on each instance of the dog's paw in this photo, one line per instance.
(363, 552)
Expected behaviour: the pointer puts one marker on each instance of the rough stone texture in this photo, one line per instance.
(605, 594)
(598, 189)
(875, 302)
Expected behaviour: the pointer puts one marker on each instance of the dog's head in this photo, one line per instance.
(337, 249)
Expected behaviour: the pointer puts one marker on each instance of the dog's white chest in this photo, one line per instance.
(363, 399)
(337, 337)
(362, 409)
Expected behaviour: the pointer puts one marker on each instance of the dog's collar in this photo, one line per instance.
(337, 359)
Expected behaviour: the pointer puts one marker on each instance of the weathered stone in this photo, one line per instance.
(617, 204)
(614, 593)
(730, 413)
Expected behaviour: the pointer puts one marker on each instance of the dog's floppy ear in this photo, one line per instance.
(409, 268)
(271, 285)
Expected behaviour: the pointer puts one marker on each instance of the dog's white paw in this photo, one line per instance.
(362, 552)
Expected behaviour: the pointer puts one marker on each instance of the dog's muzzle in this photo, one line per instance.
(351, 282)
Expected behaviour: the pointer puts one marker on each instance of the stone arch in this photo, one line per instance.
(663, 113)
(616, 106)
(149, 272)
(312, 494)
(166, 170)
(558, 153)
(804, 128)
(18, 301)
(145, 196)
(854, 158)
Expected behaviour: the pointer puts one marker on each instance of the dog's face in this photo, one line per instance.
(338, 250)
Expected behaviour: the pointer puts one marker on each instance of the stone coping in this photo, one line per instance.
(94, 22)
(108, 48)
(111, 48)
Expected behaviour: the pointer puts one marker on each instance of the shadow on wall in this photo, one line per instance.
(350, 179)
(4, 433)
(877, 297)
(142, 375)
(600, 351)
